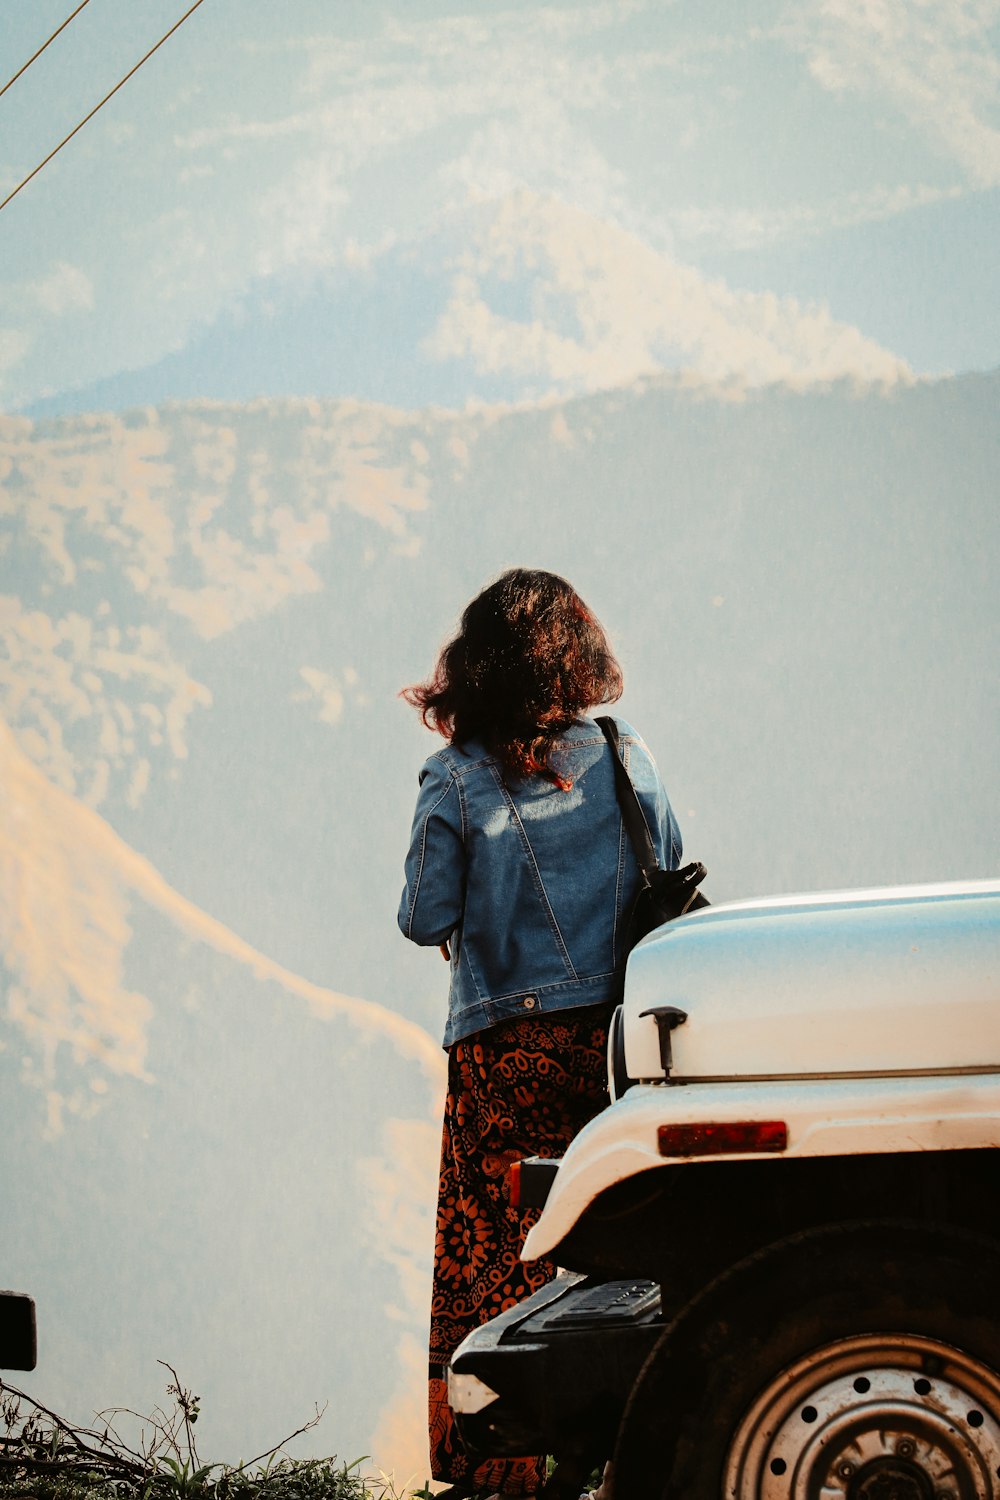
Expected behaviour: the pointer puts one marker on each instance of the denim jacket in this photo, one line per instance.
(526, 882)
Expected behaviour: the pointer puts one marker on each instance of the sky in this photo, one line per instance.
(559, 197)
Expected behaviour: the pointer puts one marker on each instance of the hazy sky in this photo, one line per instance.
(807, 175)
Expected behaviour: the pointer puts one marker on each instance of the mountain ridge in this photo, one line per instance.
(48, 836)
(513, 297)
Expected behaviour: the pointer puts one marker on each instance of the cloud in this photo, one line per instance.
(606, 309)
(14, 345)
(541, 147)
(754, 229)
(326, 695)
(60, 291)
(934, 61)
(510, 87)
(63, 289)
(324, 691)
(487, 103)
(630, 112)
(478, 37)
(306, 211)
(246, 131)
(530, 98)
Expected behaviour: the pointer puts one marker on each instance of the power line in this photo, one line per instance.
(66, 139)
(42, 48)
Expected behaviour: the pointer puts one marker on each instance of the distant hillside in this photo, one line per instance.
(207, 612)
(303, 1123)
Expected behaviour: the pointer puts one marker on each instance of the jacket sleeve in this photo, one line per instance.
(434, 894)
(668, 833)
(664, 830)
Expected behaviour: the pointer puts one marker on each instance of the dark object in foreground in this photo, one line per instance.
(559, 1363)
(18, 1343)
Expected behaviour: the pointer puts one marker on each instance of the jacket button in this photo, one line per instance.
(530, 1002)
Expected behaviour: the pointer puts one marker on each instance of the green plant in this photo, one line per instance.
(45, 1457)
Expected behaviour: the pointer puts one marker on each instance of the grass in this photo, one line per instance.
(45, 1457)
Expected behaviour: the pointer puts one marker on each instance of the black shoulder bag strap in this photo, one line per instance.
(628, 802)
(664, 894)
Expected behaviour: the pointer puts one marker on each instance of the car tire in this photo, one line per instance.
(847, 1363)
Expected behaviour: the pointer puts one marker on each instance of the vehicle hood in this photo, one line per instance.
(903, 980)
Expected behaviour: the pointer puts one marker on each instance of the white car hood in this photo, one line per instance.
(894, 981)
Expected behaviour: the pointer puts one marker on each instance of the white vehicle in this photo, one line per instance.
(782, 1239)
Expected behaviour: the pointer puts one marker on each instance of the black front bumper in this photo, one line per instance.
(561, 1363)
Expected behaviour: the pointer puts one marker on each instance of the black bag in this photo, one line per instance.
(662, 894)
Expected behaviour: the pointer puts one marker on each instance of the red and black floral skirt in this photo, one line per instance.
(523, 1088)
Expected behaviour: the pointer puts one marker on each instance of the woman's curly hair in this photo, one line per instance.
(529, 658)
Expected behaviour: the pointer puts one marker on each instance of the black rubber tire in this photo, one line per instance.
(778, 1305)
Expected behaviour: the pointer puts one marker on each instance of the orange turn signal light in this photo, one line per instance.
(722, 1137)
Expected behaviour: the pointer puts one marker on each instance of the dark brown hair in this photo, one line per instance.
(528, 659)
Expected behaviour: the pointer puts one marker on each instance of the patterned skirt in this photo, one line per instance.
(523, 1088)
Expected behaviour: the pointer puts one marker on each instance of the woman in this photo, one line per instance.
(520, 870)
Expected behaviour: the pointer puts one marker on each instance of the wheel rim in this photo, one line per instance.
(877, 1417)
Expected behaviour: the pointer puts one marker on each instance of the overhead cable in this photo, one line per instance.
(35, 55)
(110, 95)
